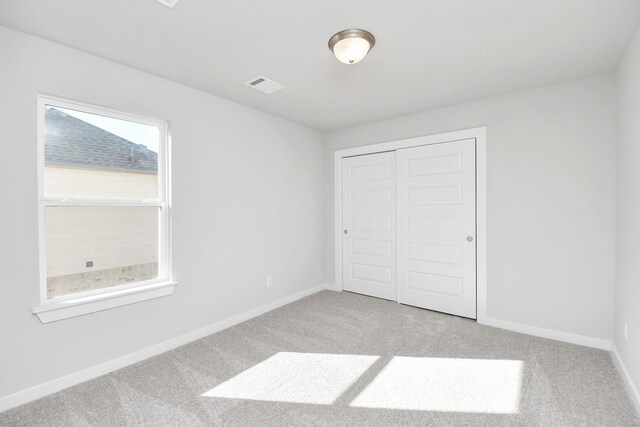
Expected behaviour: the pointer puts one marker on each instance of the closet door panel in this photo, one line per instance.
(369, 235)
(436, 213)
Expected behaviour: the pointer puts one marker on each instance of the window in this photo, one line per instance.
(104, 203)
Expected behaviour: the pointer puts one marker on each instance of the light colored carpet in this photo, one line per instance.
(346, 359)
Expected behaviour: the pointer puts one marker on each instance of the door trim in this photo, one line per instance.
(480, 135)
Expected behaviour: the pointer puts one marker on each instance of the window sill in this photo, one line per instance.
(48, 313)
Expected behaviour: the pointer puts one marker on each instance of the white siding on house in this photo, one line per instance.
(79, 182)
(108, 237)
(93, 248)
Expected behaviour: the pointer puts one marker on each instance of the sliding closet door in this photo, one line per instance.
(369, 235)
(436, 227)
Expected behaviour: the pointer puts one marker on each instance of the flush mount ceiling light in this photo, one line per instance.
(168, 3)
(351, 46)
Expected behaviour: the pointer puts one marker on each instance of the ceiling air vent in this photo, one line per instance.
(168, 3)
(264, 85)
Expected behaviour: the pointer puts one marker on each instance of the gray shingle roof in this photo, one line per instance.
(70, 141)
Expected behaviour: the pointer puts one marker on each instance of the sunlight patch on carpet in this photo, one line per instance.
(445, 385)
(296, 377)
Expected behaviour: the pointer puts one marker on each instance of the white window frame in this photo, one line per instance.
(65, 306)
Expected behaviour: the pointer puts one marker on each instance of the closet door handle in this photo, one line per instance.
(469, 238)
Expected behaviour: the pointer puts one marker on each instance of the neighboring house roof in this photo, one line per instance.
(70, 141)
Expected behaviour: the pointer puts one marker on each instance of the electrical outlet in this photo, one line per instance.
(625, 331)
(269, 281)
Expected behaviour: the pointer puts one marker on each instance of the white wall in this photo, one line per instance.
(246, 189)
(627, 294)
(551, 199)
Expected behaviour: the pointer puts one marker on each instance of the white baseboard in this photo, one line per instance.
(599, 343)
(333, 287)
(628, 382)
(53, 386)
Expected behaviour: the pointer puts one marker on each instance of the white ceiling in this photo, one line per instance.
(428, 53)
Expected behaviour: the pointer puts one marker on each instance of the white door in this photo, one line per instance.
(368, 220)
(437, 227)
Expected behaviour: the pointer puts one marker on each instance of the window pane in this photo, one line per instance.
(88, 155)
(92, 248)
